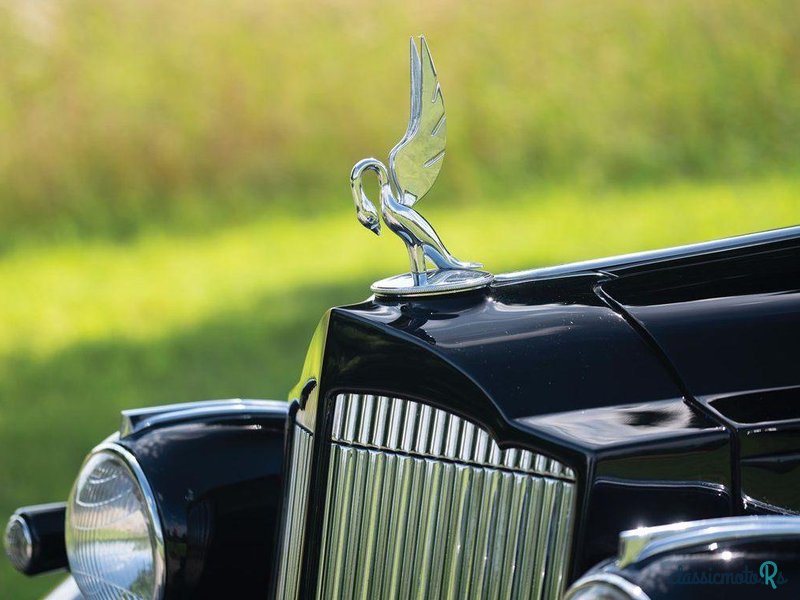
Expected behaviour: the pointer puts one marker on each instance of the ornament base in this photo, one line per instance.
(434, 282)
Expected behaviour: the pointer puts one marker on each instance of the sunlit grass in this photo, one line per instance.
(56, 296)
(114, 113)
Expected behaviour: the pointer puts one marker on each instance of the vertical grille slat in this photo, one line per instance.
(399, 518)
(487, 518)
(295, 515)
(442, 523)
(475, 483)
(380, 564)
(422, 503)
(369, 524)
(559, 556)
(542, 539)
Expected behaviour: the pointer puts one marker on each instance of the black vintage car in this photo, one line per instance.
(490, 443)
(624, 428)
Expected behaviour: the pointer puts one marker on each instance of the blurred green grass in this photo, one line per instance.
(174, 211)
(118, 113)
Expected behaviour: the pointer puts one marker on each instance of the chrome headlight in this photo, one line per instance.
(113, 533)
(19, 543)
(604, 586)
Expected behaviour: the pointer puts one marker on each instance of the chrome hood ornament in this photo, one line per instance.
(414, 164)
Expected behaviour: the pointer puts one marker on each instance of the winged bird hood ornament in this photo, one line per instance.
(414, 164)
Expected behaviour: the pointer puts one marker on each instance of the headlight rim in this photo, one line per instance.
(593, 581)
(129, 460)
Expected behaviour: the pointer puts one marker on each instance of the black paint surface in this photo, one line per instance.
(723, 571)
(218, 486)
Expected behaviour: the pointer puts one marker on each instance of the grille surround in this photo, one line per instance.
(421, 503)
(293, 534)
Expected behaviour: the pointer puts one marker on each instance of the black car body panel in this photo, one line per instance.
(730, 325)
(729, 570)
(655, 462)
(533, 349)
(218, 480)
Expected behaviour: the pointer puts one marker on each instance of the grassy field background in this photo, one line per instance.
(174, 208)
(117, 114)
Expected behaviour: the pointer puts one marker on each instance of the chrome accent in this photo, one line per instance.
(139, 419)
(395, 425)
(751, 504)
(294, 516)
(414, 165)
(422, 503)
(640, 544)
(633, 591)
(415, 161)
(443, 281)
(651, 256)
(150, 503)
(18, 543)
(66, 590)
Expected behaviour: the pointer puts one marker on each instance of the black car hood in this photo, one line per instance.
(532, 348)
(728, 323)
(686, 325)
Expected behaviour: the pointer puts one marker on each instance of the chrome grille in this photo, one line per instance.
(294, 515)
(409, 427)
(423, 504)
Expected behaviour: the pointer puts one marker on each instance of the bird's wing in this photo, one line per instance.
(415, 162)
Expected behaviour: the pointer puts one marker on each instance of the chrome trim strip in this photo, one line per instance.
(651, 256)
(628, 588)
(751, 503)
(138, 419)
(293, 532)
(646, 542)
(152, 507)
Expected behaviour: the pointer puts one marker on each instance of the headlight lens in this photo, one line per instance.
(113, 534)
